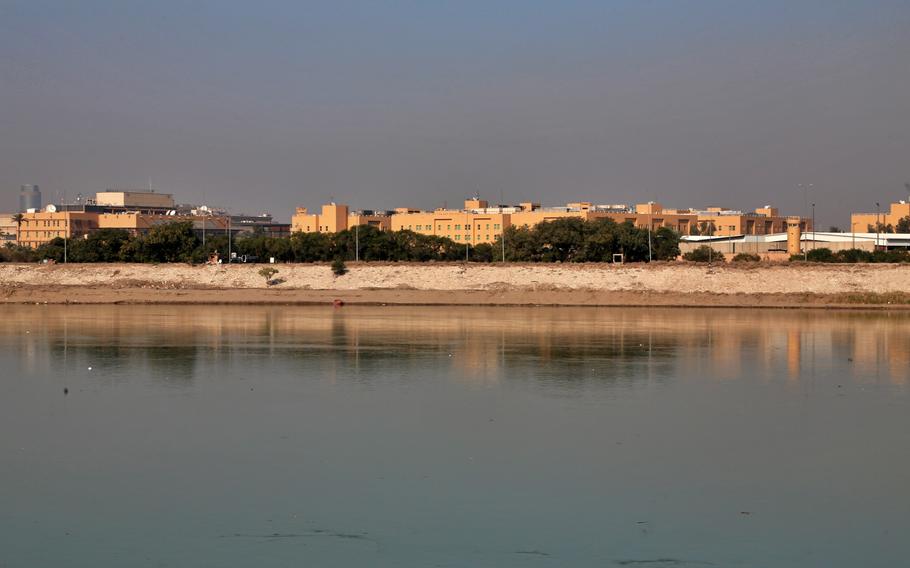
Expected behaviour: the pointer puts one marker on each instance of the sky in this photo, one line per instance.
(265, 106)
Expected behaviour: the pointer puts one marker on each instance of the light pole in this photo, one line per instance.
(813, 226)
(502, 240)
(357, 242)
(805, 187)
(878, 223)
(650, 209)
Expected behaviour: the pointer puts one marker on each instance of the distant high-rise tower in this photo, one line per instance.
(29, 197)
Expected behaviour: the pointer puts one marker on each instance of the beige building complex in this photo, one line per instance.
(133, 211)
(40, 228)
(478, 222)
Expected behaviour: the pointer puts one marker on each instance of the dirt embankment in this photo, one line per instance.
(433, 283)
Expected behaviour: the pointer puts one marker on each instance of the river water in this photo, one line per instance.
(424, 436)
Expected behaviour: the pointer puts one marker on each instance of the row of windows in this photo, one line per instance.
(449, 227)
(468, 237)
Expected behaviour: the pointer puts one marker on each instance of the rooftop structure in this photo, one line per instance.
(134, 198)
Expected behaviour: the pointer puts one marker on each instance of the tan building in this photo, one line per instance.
(335, 218)
(7, 228)
(867, 222)
(134, 198)
(764, 221)
(477, 223)
(44, 226)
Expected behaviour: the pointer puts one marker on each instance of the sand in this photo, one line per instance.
(665, 284)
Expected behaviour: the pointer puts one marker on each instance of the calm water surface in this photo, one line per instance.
(258, 436)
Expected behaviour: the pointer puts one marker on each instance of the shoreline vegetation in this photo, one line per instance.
(664, 284)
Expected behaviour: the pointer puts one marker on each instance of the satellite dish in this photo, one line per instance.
(51, 208)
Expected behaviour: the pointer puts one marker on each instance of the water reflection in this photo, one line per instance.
(569, 345)
(381, 436)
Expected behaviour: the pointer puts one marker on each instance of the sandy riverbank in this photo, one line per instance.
(671, 284)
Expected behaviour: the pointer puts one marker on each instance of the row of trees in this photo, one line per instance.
(563, 240)
(852, 255)
(902, 226)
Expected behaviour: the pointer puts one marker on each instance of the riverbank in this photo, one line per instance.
(665, 284)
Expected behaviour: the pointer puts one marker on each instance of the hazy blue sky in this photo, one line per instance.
(267, 105)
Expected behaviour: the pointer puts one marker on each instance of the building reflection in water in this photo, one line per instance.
(562, 346)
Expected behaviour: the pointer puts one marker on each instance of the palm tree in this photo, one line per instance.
(17, 219)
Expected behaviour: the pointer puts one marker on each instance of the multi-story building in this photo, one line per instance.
(476, 223)
(41, 227)
(8, 228)
(335, 218)
(871, 222)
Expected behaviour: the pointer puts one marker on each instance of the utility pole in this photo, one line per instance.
(229, 235)
(66, 226)
(813, 226)
(878, 223)
(357, 242)
(805, 187)
(650, 216)
(502, 241)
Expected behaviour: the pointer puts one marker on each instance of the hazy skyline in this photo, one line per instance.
(270, 105)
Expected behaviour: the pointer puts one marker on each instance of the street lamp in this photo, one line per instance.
(650, 214)
(806, 187)
(878, 223)
(813, 226)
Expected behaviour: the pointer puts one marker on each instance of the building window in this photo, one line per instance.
(488, 237)
(496, 225)
(448, 227)
(457, 237)
(457, 227)
(467, 237)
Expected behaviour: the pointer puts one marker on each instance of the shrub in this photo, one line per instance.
(853, 255)
(704, 253)
(746, 257)
(338, 267)
(267, 273)
(820, 255)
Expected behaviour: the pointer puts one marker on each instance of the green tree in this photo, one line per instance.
(746, 257)
(267, 273)
(18, 218)
(903, 225)
(703, 253)
(103, 245)
(665, 245)
(338, 267)
(169, 242)
(820, 255)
